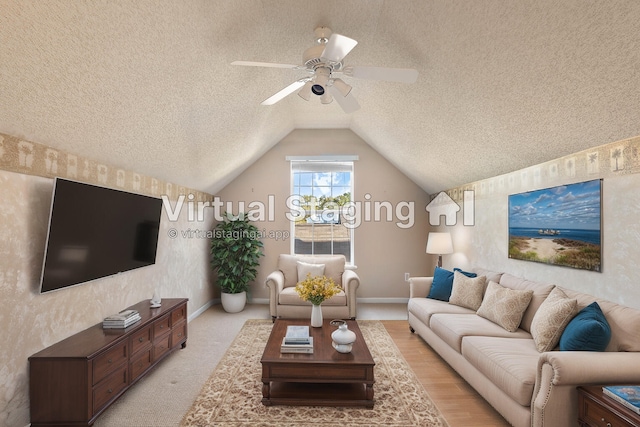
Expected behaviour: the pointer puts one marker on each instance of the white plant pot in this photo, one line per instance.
(233, 303)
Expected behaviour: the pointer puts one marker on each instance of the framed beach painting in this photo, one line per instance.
(558, 226)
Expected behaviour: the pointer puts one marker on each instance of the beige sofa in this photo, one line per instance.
(528, 387)
(285, 302)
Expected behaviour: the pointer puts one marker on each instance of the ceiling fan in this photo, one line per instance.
(324, 63)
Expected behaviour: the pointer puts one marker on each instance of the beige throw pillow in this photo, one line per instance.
(467, 291)
(504, 306)
(313, 269)
(553, 315)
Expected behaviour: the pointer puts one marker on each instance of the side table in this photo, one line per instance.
(595, 409)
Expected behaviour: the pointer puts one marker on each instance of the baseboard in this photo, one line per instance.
(202, 309)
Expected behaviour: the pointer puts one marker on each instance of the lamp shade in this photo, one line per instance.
(439, 243)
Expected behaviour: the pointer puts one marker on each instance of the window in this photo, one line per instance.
(321, 189)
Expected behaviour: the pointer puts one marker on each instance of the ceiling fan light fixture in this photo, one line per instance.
(305, 92)
(322, 78)
(342, 87)
(326, 98)
(317, 89)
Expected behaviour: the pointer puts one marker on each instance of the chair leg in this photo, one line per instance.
(273, 319)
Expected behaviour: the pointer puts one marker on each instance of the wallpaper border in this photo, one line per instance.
(31, 158)
(605, 161)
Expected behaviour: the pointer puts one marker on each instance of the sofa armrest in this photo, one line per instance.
(350, 284)
(419, 287)
(555, 399)
(275, 283)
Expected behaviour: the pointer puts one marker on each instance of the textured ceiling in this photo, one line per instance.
(147, 85)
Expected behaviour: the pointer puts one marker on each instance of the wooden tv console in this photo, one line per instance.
(72, 382)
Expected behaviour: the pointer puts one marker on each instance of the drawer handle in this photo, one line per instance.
(141, 339)
(608, 424)
(110, 391)
(109, 361)
(179, 334)
(161, 326)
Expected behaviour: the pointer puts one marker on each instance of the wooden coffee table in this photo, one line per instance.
(324, 378)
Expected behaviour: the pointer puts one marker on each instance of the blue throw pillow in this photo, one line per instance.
(587, 331)
(443, 283)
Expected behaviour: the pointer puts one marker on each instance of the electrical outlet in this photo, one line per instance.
(406, 277)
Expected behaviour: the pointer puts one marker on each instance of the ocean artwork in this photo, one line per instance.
(558, 226)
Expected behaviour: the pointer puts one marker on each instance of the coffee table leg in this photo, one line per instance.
(369, 392)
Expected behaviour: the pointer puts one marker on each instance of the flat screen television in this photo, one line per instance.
(96, 232)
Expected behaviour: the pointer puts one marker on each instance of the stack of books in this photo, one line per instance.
(628, 395)
(297, 340)
(122, 320)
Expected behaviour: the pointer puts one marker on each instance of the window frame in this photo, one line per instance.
(341, 162)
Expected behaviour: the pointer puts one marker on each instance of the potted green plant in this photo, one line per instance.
(235, 253)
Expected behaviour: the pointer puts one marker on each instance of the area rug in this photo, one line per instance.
(232, 395)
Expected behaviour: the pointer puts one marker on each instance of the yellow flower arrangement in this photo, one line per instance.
(316, 289)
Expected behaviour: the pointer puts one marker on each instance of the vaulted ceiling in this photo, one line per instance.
(147, 85)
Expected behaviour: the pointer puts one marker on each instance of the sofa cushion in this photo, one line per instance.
(467, 291)
(587, 331)
(540, 293)
(509, 363)
(305, 268)
(504, 306)
(424, 308)
(443, 283)
(289, 296)
(551, 318)
(452, 328)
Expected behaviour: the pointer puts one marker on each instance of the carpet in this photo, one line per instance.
(232, 395)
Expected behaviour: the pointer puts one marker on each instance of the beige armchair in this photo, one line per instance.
(284, 300)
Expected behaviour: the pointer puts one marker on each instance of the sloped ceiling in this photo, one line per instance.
(148, 86)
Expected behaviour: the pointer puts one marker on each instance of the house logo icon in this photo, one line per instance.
(441, 205)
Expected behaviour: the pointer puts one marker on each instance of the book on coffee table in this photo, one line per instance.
(296, 348)
(297, 334)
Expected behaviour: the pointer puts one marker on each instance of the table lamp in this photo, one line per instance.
(439, 244)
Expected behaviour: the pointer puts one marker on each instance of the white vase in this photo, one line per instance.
(316, 316)
(342, 337)
(233, 303)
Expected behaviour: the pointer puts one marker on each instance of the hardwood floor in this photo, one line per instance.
(459, 403)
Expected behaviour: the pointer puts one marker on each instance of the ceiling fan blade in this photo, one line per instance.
(283, 93)
(348, 103)
(263, 64)
(338, 47)
(402, 75)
